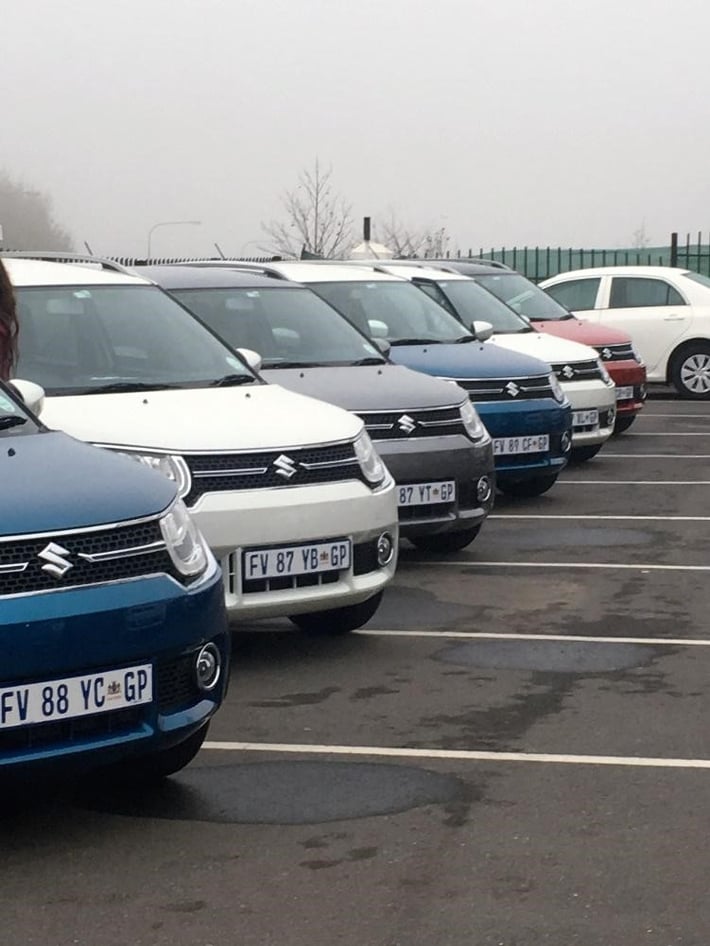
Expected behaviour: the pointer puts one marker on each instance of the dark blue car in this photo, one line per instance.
(112, 624)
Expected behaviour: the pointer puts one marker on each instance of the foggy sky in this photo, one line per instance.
(506, 121)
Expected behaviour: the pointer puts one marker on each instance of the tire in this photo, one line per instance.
(623, 423)
(446, 543)
(338, 620)
(582, 454)
(527, 489)
(692, 366)
(161, 764)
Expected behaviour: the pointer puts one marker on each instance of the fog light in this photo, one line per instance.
(483, 489)
(208, 667)
(612, 417)
(385, 549)
(566, 441)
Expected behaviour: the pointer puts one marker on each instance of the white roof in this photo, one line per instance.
(310, 272)
(424, 272)
(32, 272)
(630, 269)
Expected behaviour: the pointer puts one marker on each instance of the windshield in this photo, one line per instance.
(287, 326)
(80, 339)
(470, 302)
(523, 296)
(397, 311)
(14, 419)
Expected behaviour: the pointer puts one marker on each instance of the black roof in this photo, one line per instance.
(210, 277)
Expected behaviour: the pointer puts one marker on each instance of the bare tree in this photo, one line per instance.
(316, 220)
(640, 238)
(27, 220)
(412, 242)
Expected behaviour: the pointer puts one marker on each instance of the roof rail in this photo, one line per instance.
(60, 256)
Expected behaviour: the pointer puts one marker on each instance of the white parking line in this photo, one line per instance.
(632, 483)
(657, 456)
(611, 518)
(673, 434)
(646, 414)
(590, 565)
(466, 755)
(579, 639)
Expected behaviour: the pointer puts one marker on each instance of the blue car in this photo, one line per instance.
(112, 624)
(517, 396)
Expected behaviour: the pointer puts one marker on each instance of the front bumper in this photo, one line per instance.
(591, 395)
(524, 419)
(238, 521)
(628, 374)
(91, 630)
(438, 459)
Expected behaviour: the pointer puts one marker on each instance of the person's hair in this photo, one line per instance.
(8, 324)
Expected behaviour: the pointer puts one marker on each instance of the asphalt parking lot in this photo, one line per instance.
(514, 752)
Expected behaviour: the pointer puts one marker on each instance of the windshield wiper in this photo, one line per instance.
(232, 381)
(118, 386)
(367, 361)
(463, 340)
(294, 364)
(11, 420)
(415, 341)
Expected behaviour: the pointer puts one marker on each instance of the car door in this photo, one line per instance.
(652, 312)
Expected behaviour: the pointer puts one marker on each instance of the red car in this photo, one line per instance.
(615, 348)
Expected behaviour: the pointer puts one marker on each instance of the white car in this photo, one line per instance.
(582, 375)
(666, 312)
(288, 491)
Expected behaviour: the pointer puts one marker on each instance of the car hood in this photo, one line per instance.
(548, 347)
(369, 387)
(258, 417)
(52, 483)
(587, 333)
(473, 360)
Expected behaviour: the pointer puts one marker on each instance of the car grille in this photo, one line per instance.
(507, 389)
(65, 732)
(225, 472)
(403, 425)
(623, 352)
(578, 371)
(175, 683)
(69, 560)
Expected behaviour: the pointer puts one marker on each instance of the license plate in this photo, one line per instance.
(75, 696)
(625, 394)
(297, 560)
(426, 494)
(585, 418)
(504, 446)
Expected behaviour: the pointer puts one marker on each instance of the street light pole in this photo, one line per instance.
(170, 223)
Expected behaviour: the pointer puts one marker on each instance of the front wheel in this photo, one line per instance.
(526, 489)
(623, 422)
(582, 454)
(690, 372)
(446, 542)
(338, 620)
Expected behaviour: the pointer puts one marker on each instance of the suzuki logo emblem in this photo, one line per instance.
(568, 371)
(406, 424)
(512, 389)
(606, 354)
(57, 566)
(285, 466)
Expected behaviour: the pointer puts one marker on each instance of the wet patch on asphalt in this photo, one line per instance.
(285, 793)
(548, 656)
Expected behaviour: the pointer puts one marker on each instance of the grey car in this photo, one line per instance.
(426, 430)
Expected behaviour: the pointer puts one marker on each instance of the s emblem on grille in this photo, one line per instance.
(606, 354)
(285, 466)
(512, 389)
(568, 371)
(406, 424)
(54, 555)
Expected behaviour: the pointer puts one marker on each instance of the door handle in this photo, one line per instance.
(674, 318)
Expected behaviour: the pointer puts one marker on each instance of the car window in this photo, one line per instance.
(629, 292)
(433, 291)
(577, 294)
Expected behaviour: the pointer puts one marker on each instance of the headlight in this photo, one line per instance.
(472, 422)
(557, 391)
(184, 542)
(174, 467)
(371, 465)
(637, 355)
(606, 377)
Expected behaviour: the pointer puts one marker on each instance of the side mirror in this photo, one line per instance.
(383, 345)
(252, 358)
(376, 328)
(32, 394)
(482, 330)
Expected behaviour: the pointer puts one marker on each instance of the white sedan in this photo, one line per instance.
(665, 311)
